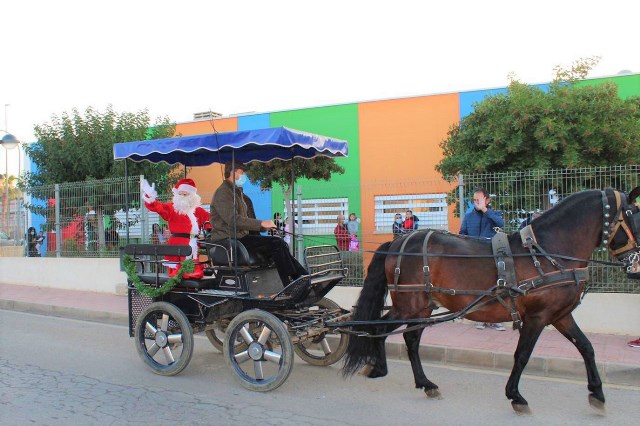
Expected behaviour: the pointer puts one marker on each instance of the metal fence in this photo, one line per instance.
(89, 219)
(519, 194)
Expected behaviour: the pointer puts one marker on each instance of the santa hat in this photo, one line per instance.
(185, 185)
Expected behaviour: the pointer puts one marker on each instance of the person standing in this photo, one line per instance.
(397, 226)
(157, 237)
(278, 231)
(40, 243)
(231, 206)
(352, 225)
(410, 223)
(32, 237)
(342, 234)
(480, 222)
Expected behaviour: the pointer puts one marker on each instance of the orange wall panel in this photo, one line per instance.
(207, 178)
(399, 141)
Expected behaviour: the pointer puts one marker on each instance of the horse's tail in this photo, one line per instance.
(364, 350)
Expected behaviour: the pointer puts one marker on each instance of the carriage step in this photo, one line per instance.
(223, 293)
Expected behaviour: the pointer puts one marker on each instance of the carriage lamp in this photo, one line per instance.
(8, 142)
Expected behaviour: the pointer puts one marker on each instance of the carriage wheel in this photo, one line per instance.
(268, 359)
(326, 348)
(213, 333)
(214, 339)
(164, 338)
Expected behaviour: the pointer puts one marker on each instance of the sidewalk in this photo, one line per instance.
(455, 343)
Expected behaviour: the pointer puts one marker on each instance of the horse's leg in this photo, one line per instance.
(569, 329)
(412, 340)
(531, 329)
(378, 366)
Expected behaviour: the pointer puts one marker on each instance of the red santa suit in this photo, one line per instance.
(183, 226)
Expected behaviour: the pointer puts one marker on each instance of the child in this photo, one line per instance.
(39, 243)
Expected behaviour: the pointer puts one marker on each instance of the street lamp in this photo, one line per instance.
(8, 142)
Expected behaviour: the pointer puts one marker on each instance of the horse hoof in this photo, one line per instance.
(521, 409)
(597, 405)
(365, 371)
(433, 393)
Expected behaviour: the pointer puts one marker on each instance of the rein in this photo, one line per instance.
(493, 256)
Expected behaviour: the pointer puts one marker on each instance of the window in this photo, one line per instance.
(431, 210)
(319, 215)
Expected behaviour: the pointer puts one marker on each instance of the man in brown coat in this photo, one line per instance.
(229, 203)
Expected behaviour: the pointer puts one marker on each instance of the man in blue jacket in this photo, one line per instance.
(480, 222)
(481, 219)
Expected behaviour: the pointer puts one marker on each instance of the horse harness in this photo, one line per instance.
(508, 284)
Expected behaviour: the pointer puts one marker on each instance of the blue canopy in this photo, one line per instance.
(250, 145)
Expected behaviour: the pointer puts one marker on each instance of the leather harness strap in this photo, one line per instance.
(396, 273)
(504, 260)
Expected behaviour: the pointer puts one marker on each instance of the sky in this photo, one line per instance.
(176, 58)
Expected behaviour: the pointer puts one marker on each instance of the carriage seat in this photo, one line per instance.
(220, 253)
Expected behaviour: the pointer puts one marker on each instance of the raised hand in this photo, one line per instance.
(149, 191)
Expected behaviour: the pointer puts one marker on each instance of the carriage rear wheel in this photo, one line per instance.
(212, 335)
(326, 348)
(164, 339)
(267, 360)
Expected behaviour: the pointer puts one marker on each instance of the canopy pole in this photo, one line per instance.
(126, 199)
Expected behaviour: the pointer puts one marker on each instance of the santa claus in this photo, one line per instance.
(184, 216)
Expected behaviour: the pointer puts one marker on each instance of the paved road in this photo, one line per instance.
(57, 371)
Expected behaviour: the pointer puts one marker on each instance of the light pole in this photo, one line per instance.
(8, 142)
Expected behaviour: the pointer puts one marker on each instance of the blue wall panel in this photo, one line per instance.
(467, 99)
(261, 199)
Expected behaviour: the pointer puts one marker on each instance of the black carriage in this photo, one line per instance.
(241, 303)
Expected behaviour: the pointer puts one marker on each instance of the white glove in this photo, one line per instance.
(149, 191)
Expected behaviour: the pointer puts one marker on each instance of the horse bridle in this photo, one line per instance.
(626, 218)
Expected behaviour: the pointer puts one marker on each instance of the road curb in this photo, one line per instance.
(610, 373)
(65, 312)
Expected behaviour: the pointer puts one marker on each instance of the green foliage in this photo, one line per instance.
(79, 147)
(528, 128)
(279, 171)
(76, 147)
(285, 172)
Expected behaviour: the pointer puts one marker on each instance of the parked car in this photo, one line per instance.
(6, 241)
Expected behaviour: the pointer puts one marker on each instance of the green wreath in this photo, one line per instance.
(129, 267)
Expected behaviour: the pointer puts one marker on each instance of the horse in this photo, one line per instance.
(429, 269)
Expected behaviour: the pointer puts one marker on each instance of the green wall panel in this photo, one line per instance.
(341, 122)
(628, 85)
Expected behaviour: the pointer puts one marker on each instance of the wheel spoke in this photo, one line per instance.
(325, 346)
(153, 349)
(264, 335)
(164, 325)
(257, 368)
(242, 357)
(174, 338)
(246, 335)
(168, 355)
(272, 357)
(150, 328)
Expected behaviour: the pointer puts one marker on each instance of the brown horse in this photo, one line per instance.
(550, 261)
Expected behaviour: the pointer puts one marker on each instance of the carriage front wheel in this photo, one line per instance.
(267, 360)
(164, 338)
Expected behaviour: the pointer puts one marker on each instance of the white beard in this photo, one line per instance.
(186, 205)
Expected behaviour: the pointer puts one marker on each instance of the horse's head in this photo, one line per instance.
(621, 234)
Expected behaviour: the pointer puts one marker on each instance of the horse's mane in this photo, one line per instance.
(574, 209)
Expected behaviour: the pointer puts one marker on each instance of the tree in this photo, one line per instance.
(280, 172)
(568, 126)
(76, 147)
(528, 128)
